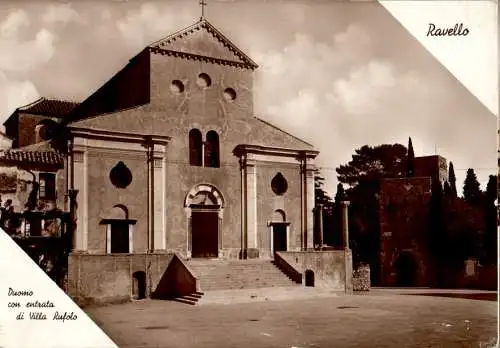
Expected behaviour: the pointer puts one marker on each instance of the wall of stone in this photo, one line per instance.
(268, 202)
(206, 109)
(103, 195)
(26, 128)
(403, 227)
(97, 278)
(361, 278)
(329, 267)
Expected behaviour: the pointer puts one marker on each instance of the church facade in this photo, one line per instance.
(168, 156)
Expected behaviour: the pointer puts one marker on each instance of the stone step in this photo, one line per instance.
(232, 296)
(241, 274)
(204, 284)
(190, 299)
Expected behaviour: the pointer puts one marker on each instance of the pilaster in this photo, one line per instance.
(251, 204)
(309, 216)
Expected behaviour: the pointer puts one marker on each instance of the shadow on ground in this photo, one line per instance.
(475, 296)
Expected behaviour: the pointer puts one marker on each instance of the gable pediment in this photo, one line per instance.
(204, 42)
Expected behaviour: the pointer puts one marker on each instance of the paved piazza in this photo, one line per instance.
(380, 319)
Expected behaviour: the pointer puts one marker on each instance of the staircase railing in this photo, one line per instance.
(288, 268)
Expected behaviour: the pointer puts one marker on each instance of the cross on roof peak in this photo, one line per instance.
(203, 4)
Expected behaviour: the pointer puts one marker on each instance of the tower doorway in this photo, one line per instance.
(406, 270)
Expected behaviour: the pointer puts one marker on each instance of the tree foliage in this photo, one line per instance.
(471, 190)
(490, 222)
(321, 196)
(452, 179)
(341, 194)
(369, 164)
(411, 159)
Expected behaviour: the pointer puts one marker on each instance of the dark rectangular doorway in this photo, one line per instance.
(120, 237)
(205, 234)
(279, 237)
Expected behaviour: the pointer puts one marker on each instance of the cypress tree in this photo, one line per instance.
(452, 180)
(472, 191)
(410, 159)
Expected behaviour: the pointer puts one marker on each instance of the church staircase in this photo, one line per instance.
(238, 274)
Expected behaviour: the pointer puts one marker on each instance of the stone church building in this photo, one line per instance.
(168, 157)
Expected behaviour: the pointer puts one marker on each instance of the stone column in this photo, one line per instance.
(73, 219)
(309, 213)
(320, 224)
(151, 187)
(158, 205)
(251, 205)
(108, 239)
(243, 210)
(345, 223)
(347, 252)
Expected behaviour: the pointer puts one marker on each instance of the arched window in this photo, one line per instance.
(212, 150)
(195, 148)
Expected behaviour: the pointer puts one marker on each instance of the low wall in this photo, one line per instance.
(98, 278)
(361, 278)
(329, 267)
(484, 278)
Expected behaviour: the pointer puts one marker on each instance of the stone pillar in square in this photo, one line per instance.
(345, 223)
(309, 205)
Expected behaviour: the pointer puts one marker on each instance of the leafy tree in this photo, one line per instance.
(490, 222)
(362, 174)
(340, 195)
(472, 191)
(372, 163)
(321, 197)
(324, 200)
(452, 179)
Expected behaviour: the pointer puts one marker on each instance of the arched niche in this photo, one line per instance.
(279, 231)
(204, 205)
(119, 230)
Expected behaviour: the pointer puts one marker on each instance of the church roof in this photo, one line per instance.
(41, 153)
(50, 107)
(170, 46)
(46, 107)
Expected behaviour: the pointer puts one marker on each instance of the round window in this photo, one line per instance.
(120, 175)
(279, 184)
(177, 87)
(204, 80)
(229, 94)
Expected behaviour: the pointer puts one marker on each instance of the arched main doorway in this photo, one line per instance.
(406, 270)
(204, 205)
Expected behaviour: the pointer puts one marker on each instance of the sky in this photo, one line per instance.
(339, 75)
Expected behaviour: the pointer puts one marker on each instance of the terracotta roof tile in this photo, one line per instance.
(50, 107)
(32, 157)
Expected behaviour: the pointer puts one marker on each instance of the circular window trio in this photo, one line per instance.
(203, 81)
